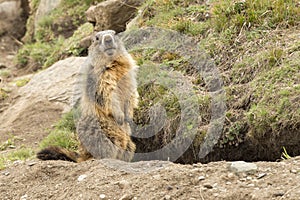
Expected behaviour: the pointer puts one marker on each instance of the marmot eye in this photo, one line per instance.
(97, 38)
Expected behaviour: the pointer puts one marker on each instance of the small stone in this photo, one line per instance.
(81, 177)
(102, 196)
(208, 186)
(123, 184)
(278, 194)
(167, 197)
(242, 167)
(228, 183)
(294, 171)
(261, 175)
(251, 185)
(17, 162)
(24, 197)
(169, 187)
(5, 173)
(201, 178)
(31, 164)
(156, 177)
(230, 176)
(248, 178)
(126, 197)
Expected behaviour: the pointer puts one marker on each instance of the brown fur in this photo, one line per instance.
(107, 103)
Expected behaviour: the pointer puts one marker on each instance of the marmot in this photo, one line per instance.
(108, 100)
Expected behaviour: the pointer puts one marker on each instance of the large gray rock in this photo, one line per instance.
(41, 102)
(113, 14)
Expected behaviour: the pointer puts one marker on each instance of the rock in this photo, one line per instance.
(169, 187)
(5, 173)
(261, 175)
(278, 194)
(123, 184)
(201, 178)
(242, 167)
(82, 177)
(208, 186)
(112, 14)
(42, 100)
(126, 197)
(24, 197)
(294, 171)
(167, 197)
(102, 196)
(31, 164)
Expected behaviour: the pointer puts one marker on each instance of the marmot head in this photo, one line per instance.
(106, 46)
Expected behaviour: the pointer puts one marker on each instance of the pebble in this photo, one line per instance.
(102, 196)
(278, 194)
(169, 187)
(208, 186)
(24, 197)
(156, 177)
(31, 164)
(294, 171)
(81, 177)
(126, 197)
(6, 173)
(167, 197)
(261, 175)
(242, 167)
(123, 184)
(201, 178)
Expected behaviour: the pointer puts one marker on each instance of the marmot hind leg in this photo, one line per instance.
(108, 141)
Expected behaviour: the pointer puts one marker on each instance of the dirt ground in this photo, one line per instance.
(111, 179)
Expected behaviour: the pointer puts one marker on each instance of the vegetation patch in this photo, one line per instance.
(15, 155)
(254, 45)
(63, 134)
(57, 35)
(33, 56)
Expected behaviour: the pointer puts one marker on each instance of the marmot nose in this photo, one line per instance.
(107, 39)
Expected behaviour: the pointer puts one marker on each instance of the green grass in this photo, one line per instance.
(57, 35)
(44, 54)
(19, 154)
(63, 134)
(254, 45)
(22, 82)
(7, 144)
(285, 155)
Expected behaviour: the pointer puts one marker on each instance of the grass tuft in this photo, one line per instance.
(63, 134)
